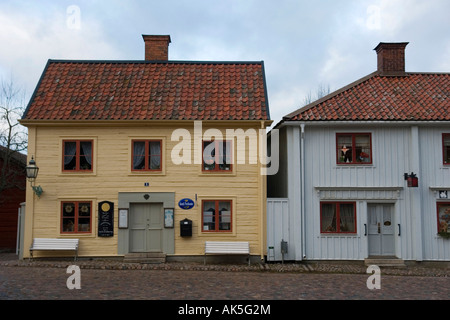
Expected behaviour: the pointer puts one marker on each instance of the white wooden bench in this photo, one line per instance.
(221, 247)
(55, 244)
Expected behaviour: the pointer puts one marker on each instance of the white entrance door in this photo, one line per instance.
(381, 229)
(146, 227)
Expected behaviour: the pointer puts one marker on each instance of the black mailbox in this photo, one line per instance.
(186, 228)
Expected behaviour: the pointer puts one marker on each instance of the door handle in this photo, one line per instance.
(365, 229)
(399, 229)
(379, 228)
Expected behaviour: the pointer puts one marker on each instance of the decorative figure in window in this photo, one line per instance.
(68, 227)
(347, 154)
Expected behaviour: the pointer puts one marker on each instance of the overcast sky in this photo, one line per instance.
(304, 44)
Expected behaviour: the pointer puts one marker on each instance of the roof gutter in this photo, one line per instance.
(286, 123)
(149, 122)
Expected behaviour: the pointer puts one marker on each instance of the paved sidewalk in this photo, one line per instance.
(417, 269)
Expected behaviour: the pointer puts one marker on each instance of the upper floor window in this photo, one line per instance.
(354, 148)
(147, 155)
(77, 155)
(446, 148)
(217, 155)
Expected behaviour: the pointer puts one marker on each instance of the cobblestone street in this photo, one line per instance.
(269, 290)
(50, 283)
(109, 280)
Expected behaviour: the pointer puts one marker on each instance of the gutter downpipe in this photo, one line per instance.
(302, 191)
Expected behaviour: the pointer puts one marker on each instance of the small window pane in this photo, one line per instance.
(446, 147)
(139, 155)
(68, 225)
(68, 219)
(345, 152)
(328, 218)
(444, 217)
(69, 209)
(224, 215)
(209, 155)
(155, 155)
(347, 218)
(209, 215)
(225, 155)
(70, 149)
(84, 209)
(86, 155)
(362, 148)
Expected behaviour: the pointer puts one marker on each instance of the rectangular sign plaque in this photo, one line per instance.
(106, 219)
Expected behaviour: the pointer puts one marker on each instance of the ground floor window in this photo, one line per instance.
(338, 217)
(76, 216)
(216, 215)
(443, 216)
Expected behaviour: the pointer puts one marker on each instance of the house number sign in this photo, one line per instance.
(106, 219)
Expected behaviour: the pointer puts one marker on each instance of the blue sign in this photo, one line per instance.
(186, 203)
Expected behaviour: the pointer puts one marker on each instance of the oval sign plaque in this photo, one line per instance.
(186, 203)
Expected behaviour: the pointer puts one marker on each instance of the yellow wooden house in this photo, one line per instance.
(151, 156)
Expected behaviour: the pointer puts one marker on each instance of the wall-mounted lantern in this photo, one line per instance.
(413, 181)
(32, 172)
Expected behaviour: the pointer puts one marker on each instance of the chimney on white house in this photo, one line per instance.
(156, 47)
(391, 58)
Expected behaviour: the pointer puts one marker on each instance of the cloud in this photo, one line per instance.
(304, 44)
(33, 39)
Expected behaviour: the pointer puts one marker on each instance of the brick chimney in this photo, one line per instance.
(391, 58)
(156, 47)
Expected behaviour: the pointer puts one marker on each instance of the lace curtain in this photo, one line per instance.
(70, 149)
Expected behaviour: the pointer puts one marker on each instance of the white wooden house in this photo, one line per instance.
(346, 161)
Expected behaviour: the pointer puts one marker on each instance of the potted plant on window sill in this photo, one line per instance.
(443, 228)
(444, 234)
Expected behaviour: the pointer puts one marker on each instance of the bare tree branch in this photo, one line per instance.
(13, 137)
(321, 92)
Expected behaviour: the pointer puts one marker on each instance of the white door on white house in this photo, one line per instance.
(381, 229)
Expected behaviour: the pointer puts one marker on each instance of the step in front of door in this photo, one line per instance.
(145, 257)
(385, 262)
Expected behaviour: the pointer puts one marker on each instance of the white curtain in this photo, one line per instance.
(139, 154)
(86, 147)
(347, 217)
(70, 149)
(328, 217)
(155, 155)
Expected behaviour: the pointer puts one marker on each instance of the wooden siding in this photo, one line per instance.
(112, 174)
(396, 150)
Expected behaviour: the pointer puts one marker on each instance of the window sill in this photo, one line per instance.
(217, 234)
(77, 173)
(331, 234)
(224, 173)
(356, 165)
(77, 235)
(146, 173)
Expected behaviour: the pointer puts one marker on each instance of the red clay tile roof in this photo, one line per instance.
(140, 90)
(413, 97)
